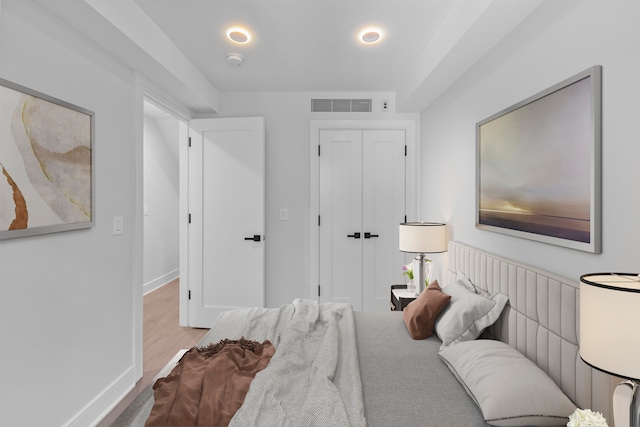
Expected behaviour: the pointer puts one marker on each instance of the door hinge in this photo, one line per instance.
(189, 218)
(405, 150)
(189, 293)
(318, 150)
(405, 218)
(189, 142)
(318, 220)
(318, 290)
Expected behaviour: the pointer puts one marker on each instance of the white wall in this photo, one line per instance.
(66, 300)
(66, 322)
(161, 199)
(287, 118)
(557, 41)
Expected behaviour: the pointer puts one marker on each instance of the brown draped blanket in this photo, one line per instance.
(208, 384)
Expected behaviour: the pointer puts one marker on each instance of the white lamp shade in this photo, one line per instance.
(610, 323)
(422, 237)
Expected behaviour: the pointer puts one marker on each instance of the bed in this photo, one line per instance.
(524, 369)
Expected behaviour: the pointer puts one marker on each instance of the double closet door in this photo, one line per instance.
(362, 201)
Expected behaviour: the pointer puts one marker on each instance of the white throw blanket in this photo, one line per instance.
(314, 377)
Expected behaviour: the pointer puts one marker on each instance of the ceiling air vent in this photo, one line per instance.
(321, 105)
(361, 105)
(341, 105)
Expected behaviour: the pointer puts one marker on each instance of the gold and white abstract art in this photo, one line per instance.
(46, 176)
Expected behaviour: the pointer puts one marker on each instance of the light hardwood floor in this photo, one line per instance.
(162, 338)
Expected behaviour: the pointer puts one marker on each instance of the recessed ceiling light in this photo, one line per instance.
(370, 35)
(239, 35)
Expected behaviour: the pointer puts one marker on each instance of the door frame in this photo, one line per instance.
(145, 89)
(411, 185)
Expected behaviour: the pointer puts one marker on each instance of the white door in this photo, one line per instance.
(341, 216)
(227, 208)
(383, 195)
(362, 201)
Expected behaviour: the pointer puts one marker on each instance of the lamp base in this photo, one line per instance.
(626, 404)
(634, 410)
(420, 283)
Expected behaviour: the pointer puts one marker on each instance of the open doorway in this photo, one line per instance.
(164, 331)
(163, 280)
(161, 203)
(158, 333)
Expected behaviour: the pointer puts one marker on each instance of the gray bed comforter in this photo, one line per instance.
(404, 381)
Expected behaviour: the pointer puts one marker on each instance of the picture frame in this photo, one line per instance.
(538, 166)
(46, 163)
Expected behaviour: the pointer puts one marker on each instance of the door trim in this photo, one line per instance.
(144, 89)
(411, 188)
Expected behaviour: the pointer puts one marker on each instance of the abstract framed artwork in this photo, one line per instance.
(538, 166)
(46, 164)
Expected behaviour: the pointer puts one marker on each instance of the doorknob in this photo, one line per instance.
(368, 235)
(354, 235)
(255, 238)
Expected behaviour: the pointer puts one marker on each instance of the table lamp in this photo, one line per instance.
(422, 238)
(609, 328)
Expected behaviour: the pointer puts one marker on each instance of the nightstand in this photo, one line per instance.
(400, 297)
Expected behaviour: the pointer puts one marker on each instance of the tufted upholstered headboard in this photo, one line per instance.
(541, 321)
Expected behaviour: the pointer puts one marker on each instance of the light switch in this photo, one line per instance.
(117, 225)
(284, 214)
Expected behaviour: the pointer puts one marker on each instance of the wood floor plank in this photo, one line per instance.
(162, 339)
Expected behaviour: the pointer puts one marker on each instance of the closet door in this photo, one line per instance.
(341, 216)
(362, 201)
(383, 208)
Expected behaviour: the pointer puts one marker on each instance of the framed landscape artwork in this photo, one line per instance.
(46, 163)
(538, 170)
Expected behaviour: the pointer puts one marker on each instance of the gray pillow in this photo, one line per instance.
(467, 315)
(509, 389)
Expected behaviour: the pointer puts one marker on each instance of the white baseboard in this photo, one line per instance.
(160, 281)
(102, 404)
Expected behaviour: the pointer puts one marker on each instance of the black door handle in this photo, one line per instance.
(368, 235)
(354, 235)
(255, 238)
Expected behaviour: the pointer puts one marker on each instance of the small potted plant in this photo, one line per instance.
(408, 271)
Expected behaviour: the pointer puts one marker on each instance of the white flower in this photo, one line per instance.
(586, 418)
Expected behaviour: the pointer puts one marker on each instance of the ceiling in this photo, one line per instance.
(298, 45)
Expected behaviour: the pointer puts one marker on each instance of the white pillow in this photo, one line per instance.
(509, 389)
(467, 315)
(460, 277)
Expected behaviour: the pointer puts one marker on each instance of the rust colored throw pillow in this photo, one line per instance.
(420, 314)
